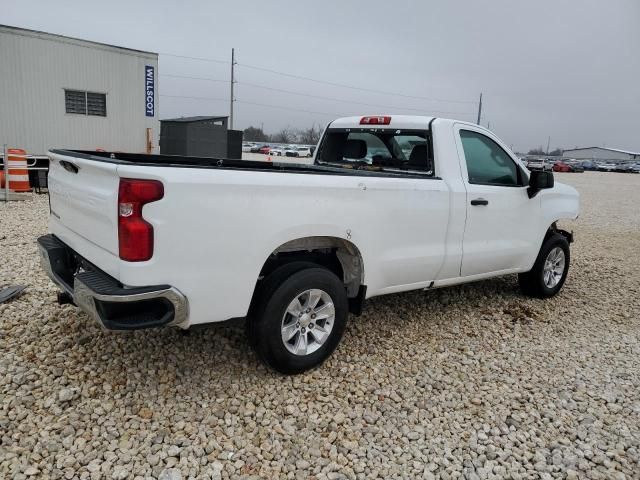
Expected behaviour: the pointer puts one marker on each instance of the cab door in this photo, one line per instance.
(502, 222)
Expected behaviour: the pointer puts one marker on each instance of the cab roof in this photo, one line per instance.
(404, 122)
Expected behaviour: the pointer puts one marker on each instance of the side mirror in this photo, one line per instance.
(539, 180)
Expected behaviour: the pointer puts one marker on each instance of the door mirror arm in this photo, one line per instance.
(539, 180)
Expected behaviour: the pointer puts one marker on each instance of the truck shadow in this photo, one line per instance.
(218, 355)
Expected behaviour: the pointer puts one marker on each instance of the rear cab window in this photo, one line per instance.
(377, 149)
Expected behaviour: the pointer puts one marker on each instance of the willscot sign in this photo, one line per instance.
(149, 90)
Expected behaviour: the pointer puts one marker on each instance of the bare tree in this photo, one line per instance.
(255, 134)
(285, 135)
(309, 136)
(536, 151)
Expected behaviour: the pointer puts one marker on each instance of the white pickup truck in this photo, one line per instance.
(390, 204)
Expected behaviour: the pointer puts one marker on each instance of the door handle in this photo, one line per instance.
(479, 201)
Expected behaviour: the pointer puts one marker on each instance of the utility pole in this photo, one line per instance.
(233, 80)
(5, 162)
(548, 142)
(479, 109)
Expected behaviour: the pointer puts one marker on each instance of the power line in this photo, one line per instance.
(290, 108)
(195, 98)
(252, 103)
(351, 101)
(202, 59)
(291, 92)
(280, 107)
(342, 85)
(300, 77)
(194, 78)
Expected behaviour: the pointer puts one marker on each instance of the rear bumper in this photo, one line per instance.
(113, 305)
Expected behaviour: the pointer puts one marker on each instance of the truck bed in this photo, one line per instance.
(220, 220)
(178, 161)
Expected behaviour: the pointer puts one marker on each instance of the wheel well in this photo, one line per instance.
(338, 255)
(554, 229)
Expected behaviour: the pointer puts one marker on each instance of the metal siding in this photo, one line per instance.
(596, 154)
(196, 138)
(35, 70)
(234, 143)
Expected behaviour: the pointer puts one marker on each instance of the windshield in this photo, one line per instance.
(377, 149)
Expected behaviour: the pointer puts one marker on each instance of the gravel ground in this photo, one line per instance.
(469, 382)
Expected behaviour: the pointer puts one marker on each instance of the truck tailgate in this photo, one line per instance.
(83, 198)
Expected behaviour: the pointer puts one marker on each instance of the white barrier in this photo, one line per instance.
(32, 160)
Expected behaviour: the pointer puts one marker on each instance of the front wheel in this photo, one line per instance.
(299, 319)
(550, 269)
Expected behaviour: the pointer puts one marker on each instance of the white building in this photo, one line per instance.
(61, 92)
(600, 153)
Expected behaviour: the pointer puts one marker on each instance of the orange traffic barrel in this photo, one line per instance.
(18, 174)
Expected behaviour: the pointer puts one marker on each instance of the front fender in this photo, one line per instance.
(562, 202)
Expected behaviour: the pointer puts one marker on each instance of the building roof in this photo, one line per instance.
(200, 118)
(617, 150)
(64, 38)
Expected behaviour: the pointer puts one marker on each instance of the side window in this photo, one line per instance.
(487, 162)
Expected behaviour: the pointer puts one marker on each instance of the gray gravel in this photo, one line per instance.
(468, 382)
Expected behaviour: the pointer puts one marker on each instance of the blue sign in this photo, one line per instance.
(149, 90)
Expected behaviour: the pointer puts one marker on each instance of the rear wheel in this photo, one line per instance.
(299, 318)
(550, 269)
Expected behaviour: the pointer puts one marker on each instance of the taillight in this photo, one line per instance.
(376, 120)
(135, 235)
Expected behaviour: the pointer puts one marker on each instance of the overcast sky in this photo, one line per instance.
(569, 69)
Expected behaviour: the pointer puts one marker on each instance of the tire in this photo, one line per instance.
(540, 284)
(269, 318)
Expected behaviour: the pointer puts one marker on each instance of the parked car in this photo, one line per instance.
(246, 147)
(265, 149)
(538, 164)
(296, 150)
(607, 167)
(561, 166)
(319, 254)
(256, 148)
(303, 152)
(589, 165)
(628, 168)
(575, 164)
(277, 151)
